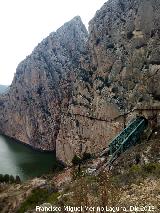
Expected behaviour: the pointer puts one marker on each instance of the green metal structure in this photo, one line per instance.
(125, 139)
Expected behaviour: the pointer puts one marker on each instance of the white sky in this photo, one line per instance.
(24, 23)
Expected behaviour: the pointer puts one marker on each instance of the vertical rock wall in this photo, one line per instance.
(71, 93)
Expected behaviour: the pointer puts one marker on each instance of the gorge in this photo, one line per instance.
(17, 159)
(75, 91)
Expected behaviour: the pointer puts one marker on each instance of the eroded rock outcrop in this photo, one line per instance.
(124, 73)
(42, 87)
(71, 93)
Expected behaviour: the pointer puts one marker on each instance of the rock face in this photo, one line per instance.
(42, 87)
(71, 93)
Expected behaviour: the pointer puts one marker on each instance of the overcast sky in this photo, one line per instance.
(24, 23)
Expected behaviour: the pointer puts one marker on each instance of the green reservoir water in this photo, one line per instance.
(18, 159)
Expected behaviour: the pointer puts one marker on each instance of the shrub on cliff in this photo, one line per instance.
(1, 178)
(9, 179)
(18, 180)
(86, 156)
(76, 160)
(6, 178)
(37, 197)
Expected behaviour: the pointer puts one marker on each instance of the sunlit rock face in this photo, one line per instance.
(70, 94)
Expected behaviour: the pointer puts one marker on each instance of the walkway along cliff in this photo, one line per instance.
(78, 90)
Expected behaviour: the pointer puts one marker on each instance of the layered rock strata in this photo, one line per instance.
(42, 87)
(71, 93)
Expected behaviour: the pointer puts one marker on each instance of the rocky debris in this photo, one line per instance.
(63, 178)
(142, 195)
(65, 188)
(71, 93)
(13, 195)
(37, 182)
(148, 152)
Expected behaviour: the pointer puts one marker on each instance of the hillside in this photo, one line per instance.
(79, 90)
(133, 181)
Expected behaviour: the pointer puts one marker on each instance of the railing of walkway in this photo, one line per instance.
(127, 138)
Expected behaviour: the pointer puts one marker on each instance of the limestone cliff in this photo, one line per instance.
(71, 93)
(42, 87)
(121, 78)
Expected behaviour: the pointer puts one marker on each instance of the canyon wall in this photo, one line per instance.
(71, 93)
(42, 87)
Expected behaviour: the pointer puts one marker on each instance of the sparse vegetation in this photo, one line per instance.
(58, 167)
(9, 179)
(92, 191)
(137, 173)
(86, 76)
(107, 188)
(79, 161)
(129, 35)
(40, 90)
(98, 41)
(36, 198)
(76, 160)
(86, 156)
(110, 46)
(105, 82)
